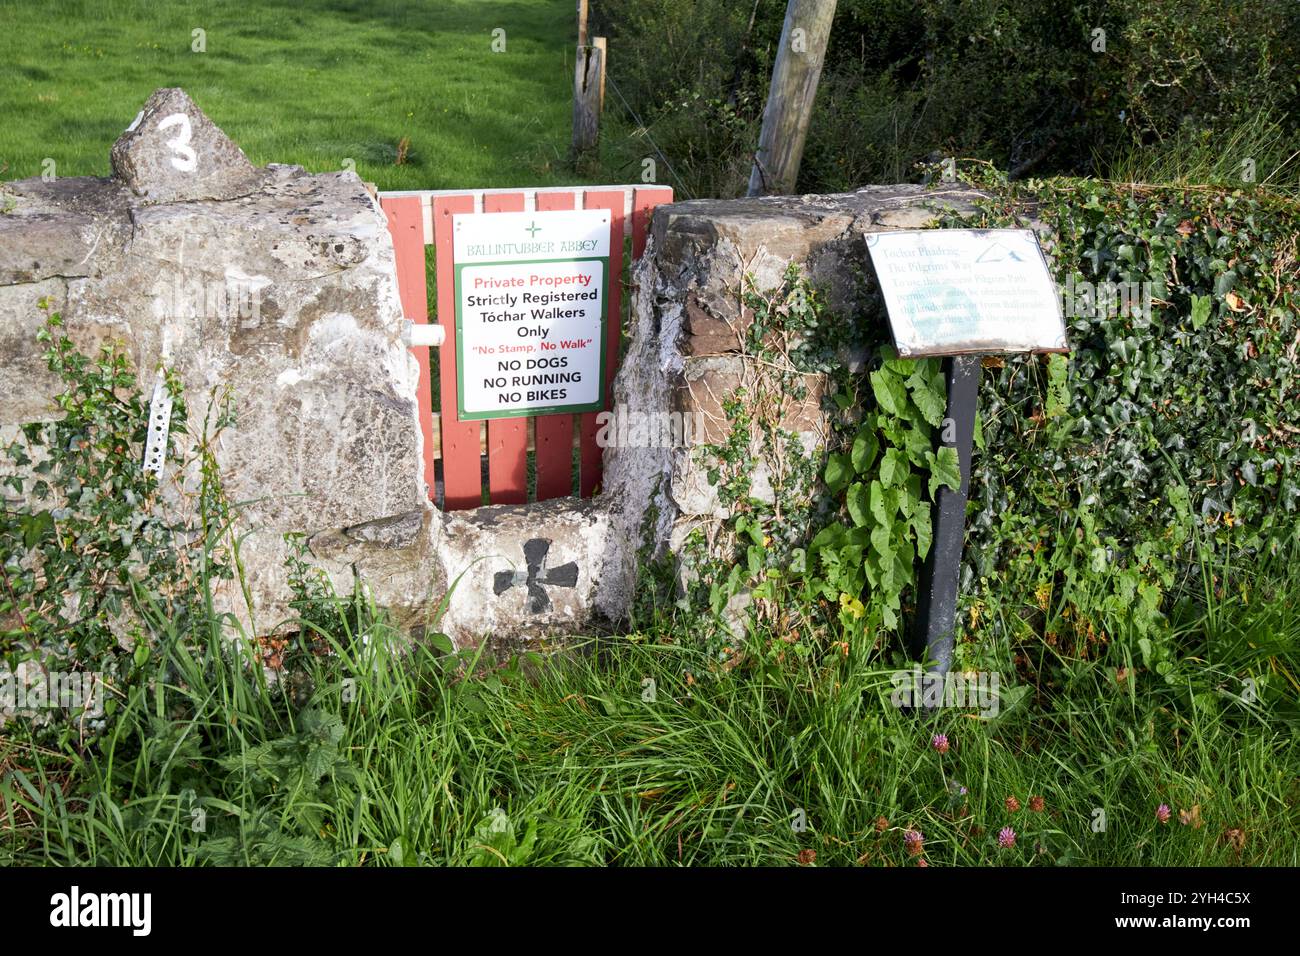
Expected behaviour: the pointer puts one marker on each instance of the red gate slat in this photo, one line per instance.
(554, 433)
(507, 438)
(461, 468)
(643, 204)
(406, 226)
(590, 458)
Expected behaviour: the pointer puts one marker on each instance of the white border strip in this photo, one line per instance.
(530, 199)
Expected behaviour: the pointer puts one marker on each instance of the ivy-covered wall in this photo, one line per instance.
(1170, 432)
(1102, 479)
(757, 318)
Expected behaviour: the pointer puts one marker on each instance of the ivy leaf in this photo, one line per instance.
(945, 469)
(865, 448)
(35, 526)
(1058, 388)
(1200, 311)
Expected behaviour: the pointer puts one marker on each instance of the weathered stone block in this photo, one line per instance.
(688, 352)
(273, 285)
(172, 152)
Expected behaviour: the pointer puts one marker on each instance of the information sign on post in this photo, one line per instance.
(967, 292)
(961, 293)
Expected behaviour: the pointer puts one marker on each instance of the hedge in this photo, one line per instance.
(1106, 477)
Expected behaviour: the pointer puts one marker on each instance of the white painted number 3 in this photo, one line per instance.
(186, 160)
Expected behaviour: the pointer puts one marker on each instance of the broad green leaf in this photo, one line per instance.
(865, 449)
(929, 392)
(888, 617)
(828, 538)
(921, 524)
(910, 495)
(838, 472)
(890, 392)
(858, 505)
(945, 469)
(882, 542)
(893, 468)
(878, 510)
(872, 567)
(918, 446)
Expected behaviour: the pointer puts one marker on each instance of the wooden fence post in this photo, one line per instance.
(795, 75)
(588, 82)
(602, 45)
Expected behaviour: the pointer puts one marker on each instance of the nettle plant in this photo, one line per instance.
(834, 553)
(887, 478)
(87, 552)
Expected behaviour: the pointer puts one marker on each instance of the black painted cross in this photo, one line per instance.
(537, 576)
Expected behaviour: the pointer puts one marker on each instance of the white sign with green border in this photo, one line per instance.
(530, 312)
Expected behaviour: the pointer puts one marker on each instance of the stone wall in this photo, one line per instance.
(272, 283)
(278, 287)
(688, 353)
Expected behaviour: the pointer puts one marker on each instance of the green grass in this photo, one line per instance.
(1259, 151)
(362, 757)
(311, 83)
(371, 755)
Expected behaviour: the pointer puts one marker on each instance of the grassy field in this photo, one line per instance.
(313, 83)
(358, 756)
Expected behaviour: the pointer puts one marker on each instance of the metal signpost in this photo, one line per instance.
(961, 294)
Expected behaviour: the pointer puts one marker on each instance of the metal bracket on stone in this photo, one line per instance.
(160, 419)
(420, 333)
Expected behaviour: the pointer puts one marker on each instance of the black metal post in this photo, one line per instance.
(934, 628)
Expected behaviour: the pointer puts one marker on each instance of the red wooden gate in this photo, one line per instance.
(419, 219)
